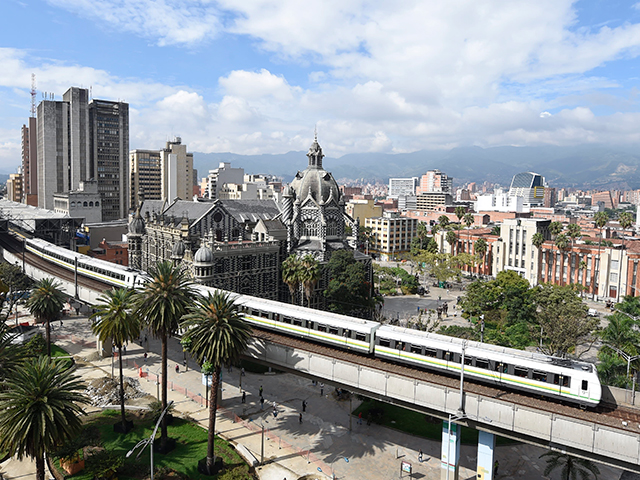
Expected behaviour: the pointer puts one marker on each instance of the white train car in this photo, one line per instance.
(325, 327)
(111, 273)
(573, 381)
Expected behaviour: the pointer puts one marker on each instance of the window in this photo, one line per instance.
(361, 336)
(468, 360)
(540, 377)
(322, 328)
(416, 349)
(482, 363)
(430, 352)
(333, 331)
(585, 385)
(520, 372)
(85, 204)
(383, 342)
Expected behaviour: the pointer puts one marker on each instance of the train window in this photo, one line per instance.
(322, 328)
(430, 352)
(566, 381)
(585, 385)
(539, 376)
(333, 331)
(520, 372)
(361, 336)
(297, 322)
(468, 360)
(285, 319)
(482, 363)
(502, 367)
(383, 342)
(416, 349)
(255, 313)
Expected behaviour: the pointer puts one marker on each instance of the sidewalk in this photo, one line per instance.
(319, 447)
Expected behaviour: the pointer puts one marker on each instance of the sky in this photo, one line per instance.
(258, 76)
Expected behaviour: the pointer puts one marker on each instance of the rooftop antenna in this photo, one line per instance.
(33, 95)
(315, 132)
(90, 92)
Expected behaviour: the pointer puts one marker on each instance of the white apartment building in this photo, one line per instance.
(391, 234)
(402, 186)
(500, 201)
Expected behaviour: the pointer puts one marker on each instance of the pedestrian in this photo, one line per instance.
(260, 391)
(184, 363)
(420, 456)
(360, 418)
(313, 382)
(145, 356)
(496, 464)
(300, 419)
(177, 368)
(124, 349)
(60, 323)
(242, 372)
(261, 403)
(275, 413)
(304, 405)
(274, 405)
(322, 389)
(244, 397)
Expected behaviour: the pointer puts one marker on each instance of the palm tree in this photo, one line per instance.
(11, 355)
(45, 303)
(571, 467)
(218, 335)
(309, 275)
(480, 248)
(40, 410)
(562, 242)
(116, 323)
(468, 221)
(161, 304)
(291, 273)
(555, 228)
(626, 220)
(573, 232)
(537, 241)
(460, 211)
(451, 239)
(600, 219)
(443, 221)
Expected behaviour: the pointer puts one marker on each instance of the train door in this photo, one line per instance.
(584, 389)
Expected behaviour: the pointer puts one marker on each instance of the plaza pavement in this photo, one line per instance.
(366, 452)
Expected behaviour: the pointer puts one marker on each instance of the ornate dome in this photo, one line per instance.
(315, 181)
(137, 226)
(178, 249)
(203, 255)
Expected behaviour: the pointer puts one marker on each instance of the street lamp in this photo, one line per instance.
(626, 356)
(146, 441)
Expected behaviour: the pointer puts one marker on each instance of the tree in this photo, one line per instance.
(45, 303)
(291, 274)
(115, 322)
(562, 243)
(626, 220)
(40, 410)
(12, 280)
(11, 355)
(310, 272)
(480, 248)
(460, 211)
(443, 221)
(161, 303)
(573, 232)
(538, 240)
(451, 240)
(571, 468)
(563, 319)
(468, 221)
(495, 230)
(600, 219)
(555, 228)
(218, 335)
(349, 289)
(620, 342)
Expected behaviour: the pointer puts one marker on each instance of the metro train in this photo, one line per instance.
(572, 381)
(108, 272)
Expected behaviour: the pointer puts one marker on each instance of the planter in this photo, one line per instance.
(72, 467)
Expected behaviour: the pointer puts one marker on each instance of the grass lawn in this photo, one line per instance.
(57, 351)
(191, 446)
(414, 423)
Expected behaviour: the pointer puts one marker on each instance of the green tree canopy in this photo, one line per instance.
(349, 290)
(563, 318)
(45, 303)
(571, 468)
(41, 409)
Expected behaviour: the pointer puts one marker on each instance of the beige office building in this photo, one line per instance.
(391, 234)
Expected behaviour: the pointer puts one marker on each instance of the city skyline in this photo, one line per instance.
(257, 77)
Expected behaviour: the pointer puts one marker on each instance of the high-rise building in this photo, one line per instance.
(30, 162)
(177, 171)
(63, 145)
(220, 176)
(109, 146)
(530, 186)
(145, 175)
(402, 186)
(435, 181)
(78, 141)
(14, 187)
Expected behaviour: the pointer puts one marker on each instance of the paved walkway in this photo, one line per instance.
(318, 447)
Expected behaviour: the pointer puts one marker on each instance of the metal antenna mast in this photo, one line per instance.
(33, 95)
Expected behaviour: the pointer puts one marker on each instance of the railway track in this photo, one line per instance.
(615, 416)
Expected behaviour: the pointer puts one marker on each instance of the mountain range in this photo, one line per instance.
(585, 166)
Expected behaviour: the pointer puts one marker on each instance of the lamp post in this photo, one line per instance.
(626, 356)
(147, 441)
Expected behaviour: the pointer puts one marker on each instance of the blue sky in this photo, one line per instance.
(256, 76)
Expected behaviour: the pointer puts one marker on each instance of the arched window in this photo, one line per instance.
(97, 204)
(332, 228)
(91, 204)
(84, 204)
(73, 204)
(309, 229)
